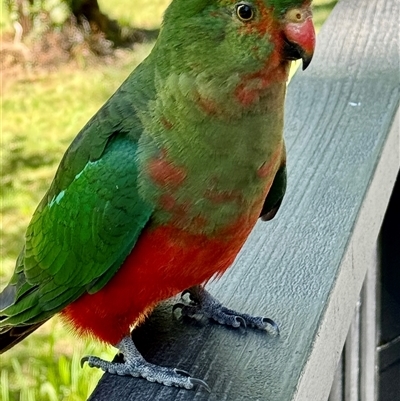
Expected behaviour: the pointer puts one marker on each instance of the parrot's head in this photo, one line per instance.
(238, 37)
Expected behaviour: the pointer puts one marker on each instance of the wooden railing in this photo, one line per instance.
(369, 368)
(306, 268)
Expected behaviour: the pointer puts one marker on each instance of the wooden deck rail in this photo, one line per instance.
(306, 268)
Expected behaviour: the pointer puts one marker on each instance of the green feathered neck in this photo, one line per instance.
(217, 117)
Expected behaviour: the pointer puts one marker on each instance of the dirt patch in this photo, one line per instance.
(73, 46)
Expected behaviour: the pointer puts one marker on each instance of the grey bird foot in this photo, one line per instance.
(204, 304)
(135, 365)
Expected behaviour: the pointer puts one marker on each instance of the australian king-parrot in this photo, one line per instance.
(161, 188)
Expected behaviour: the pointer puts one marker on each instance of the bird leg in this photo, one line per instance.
(135, 365)
(203, 303)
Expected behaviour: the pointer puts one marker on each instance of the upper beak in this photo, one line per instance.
(299, 41)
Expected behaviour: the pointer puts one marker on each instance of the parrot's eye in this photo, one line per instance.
(244, 12)
(296, 15)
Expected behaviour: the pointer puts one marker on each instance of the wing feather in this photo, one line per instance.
(87, 223)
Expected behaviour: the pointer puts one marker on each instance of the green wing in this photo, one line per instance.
(276, 193)
(87, 223)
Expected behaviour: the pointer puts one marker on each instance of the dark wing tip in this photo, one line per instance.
(14, 335)
(270, 215)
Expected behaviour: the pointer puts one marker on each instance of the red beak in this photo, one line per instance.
(299, 41)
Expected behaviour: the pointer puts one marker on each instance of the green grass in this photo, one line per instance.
(5, 21)
(46, 367)
(138, 13)
(321, 11)
(40, 115)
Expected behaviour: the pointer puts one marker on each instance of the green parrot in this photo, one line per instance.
(159, 191)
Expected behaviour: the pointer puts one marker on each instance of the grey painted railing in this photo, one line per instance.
(369, 368)
(306, 268)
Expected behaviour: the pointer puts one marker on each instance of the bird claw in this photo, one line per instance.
(178, 305)
(182, 372)
(200, 383)
(186, 292)
(193, 380)
(241, 321)
(272, 324)
(135, 365)
(202, 303)
(83, 360)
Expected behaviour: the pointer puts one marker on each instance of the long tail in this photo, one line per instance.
(12, 335)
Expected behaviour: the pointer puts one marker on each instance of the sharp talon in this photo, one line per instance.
(177, 306)
(182, 372)
(200, 383)
(83, 360)
(192, 299)
(203, 304)
(272, 323)
(241, 321)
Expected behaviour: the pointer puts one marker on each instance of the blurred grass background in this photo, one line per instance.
(40, 115)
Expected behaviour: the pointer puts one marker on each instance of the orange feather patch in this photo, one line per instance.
(164, 262)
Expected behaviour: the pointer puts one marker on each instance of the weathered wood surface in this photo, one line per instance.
(369, 369)
(305, 269)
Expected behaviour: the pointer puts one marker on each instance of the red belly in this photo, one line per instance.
(164, 262)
